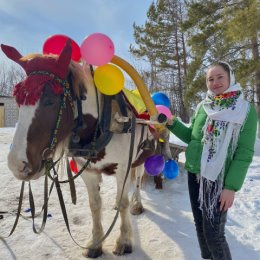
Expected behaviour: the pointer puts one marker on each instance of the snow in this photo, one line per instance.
(164, 231)
(175, 140)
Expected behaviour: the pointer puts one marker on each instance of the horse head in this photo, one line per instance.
(45, 100)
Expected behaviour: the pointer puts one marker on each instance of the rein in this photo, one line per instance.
(49, 165)
(55, 179)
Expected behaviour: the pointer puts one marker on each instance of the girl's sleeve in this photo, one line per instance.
(180, 130)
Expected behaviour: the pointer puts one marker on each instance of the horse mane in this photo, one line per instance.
(31, 56)
(80, 77)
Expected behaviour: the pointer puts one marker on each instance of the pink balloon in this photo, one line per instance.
(97, 49)
(164, 110)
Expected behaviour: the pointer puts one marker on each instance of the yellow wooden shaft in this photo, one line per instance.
(142, 88)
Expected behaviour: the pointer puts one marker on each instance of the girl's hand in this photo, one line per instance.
(170, 121)
(226, 199)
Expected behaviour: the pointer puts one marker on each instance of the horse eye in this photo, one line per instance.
(48, 102)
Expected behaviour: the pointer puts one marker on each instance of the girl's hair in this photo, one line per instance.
(226, 68)
(222, 64)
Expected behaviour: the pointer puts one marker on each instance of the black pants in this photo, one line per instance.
(210, 232)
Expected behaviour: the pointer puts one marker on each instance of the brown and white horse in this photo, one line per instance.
(47, 116)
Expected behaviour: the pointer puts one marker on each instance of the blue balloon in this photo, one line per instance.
(171, 170)
(159, 98)
(154, 164)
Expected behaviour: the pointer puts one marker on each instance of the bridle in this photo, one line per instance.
(48, 152)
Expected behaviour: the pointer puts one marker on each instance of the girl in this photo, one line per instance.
(220, 149)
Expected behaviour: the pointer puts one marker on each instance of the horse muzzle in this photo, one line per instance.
(23, 170)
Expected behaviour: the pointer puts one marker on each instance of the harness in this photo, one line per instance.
(106, 127)
(89, 150)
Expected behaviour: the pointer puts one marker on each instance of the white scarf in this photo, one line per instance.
(226, 114)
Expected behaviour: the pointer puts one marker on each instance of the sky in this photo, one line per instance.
(27, 24)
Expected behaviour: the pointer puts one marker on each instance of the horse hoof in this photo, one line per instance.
(93, 253)
(137, 210)
(123, 249)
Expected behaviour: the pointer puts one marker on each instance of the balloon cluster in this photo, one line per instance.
(96, 49)
(162, 104)
(155, 164)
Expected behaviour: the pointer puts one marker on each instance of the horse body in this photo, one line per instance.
(33, 141)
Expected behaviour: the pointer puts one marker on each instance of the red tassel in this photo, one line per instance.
(74, 166)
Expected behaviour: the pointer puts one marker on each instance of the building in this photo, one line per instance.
(8, 111)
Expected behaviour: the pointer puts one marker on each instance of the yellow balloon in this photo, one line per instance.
(109, 79)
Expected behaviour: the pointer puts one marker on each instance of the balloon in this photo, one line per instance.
(97, 49)
(73, 166)
(164, 110)
(109, 79)
(171, 169)
(159, 98)
(55, 44)
(154, 164)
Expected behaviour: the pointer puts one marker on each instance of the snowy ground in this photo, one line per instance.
(164, 231)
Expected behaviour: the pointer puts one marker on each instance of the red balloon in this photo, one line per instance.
(55, 44)
(74, 166)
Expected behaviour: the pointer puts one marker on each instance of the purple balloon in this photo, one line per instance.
(154, 164)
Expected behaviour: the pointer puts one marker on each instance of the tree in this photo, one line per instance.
(224, 30)
(161, 42)
(9, 77)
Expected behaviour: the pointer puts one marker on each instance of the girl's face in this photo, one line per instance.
(217, 80)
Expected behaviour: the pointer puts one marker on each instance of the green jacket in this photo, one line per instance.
(236, 168)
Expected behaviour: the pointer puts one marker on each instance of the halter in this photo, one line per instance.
(66, 95)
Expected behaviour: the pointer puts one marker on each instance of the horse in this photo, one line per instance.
(60, 112)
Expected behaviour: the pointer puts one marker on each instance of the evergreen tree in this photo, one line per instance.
(162, 43)
(224, 30)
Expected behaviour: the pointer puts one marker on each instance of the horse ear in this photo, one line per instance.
(65, 56)
(12, 54)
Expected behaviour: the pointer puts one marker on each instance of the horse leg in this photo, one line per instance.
(158, 182)
(136, 207)
(124, 241)
(92, 181)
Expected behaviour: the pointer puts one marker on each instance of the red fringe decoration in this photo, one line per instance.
(29, 91)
